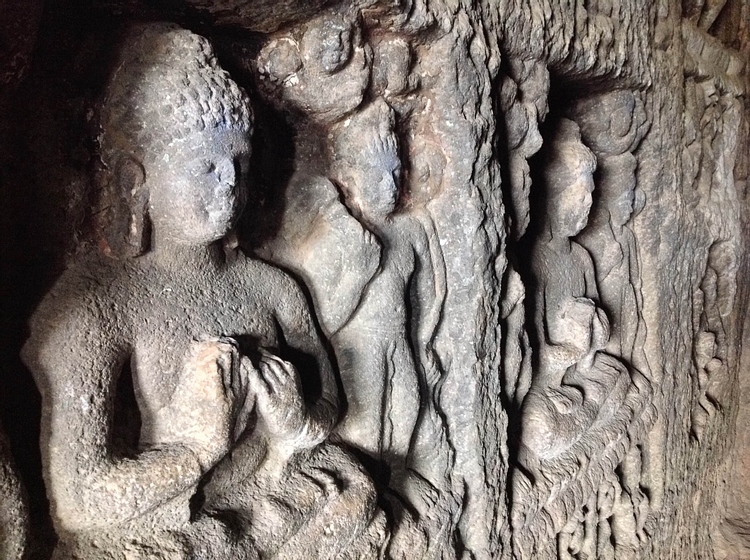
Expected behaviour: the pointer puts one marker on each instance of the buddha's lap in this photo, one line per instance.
(321, 486)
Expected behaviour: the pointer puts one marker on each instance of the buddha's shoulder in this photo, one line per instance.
(97, 280)
(260, 275)
(88, 297)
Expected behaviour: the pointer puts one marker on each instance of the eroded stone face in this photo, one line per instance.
(394, 280)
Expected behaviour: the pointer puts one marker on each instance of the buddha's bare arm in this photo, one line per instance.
(301, 335)
(76, 356)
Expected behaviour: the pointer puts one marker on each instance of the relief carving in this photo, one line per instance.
(228, 456)
(376, 279)
(586, 406)
(613, 125)
(370, 258)
(714, 302)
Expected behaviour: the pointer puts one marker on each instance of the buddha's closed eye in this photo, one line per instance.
(200, 167)
(225, 172)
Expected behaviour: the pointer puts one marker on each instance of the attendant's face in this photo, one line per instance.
(621, 208)
(198, 186)
(377, 188)
(569, 209)
(374, 178)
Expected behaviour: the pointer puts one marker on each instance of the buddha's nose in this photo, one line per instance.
(226, 174)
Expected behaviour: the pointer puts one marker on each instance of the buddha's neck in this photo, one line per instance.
(180, 257)
(555, 239)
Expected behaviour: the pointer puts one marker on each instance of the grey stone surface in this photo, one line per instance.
(14, 514)
(379, 279)
(198, 334)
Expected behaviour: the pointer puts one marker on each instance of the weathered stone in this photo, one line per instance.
(485, 301)
(14, 515)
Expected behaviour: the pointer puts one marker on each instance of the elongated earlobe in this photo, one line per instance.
(122, 217)
(134, 196)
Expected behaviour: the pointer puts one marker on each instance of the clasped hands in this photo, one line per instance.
(218, 391)
(579, 329)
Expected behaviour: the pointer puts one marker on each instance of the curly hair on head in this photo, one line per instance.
(166, 85)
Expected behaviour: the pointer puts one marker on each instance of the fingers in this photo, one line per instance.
(243, 416)
(258, 383)
(225, 366)
(273, 384)
(278, 373)
(238, 381)
(266, 356)
(245, 393)
(324, 480)
(274, 375)
(271, 375)
(244, 367)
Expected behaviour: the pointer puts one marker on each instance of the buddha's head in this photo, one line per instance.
(175, 136)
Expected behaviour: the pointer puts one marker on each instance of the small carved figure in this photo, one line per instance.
(713, 305)
(617, 272)
(318, 71)
(524, 95)
(194, 337)
(380, 369)
(325, 73)
(584, 405)
(575, 382)
(362, 272)
(613, 124)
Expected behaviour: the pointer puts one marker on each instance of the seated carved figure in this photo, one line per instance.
(576, 383)
(226, 458)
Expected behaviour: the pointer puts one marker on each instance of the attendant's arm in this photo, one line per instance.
(430, 280)
(76, 355)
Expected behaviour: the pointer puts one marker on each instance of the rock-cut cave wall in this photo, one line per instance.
(436, 279)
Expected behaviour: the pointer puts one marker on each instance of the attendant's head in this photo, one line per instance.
(366, 161)
(568, 180)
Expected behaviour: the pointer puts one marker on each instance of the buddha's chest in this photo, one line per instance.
(173, 320)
